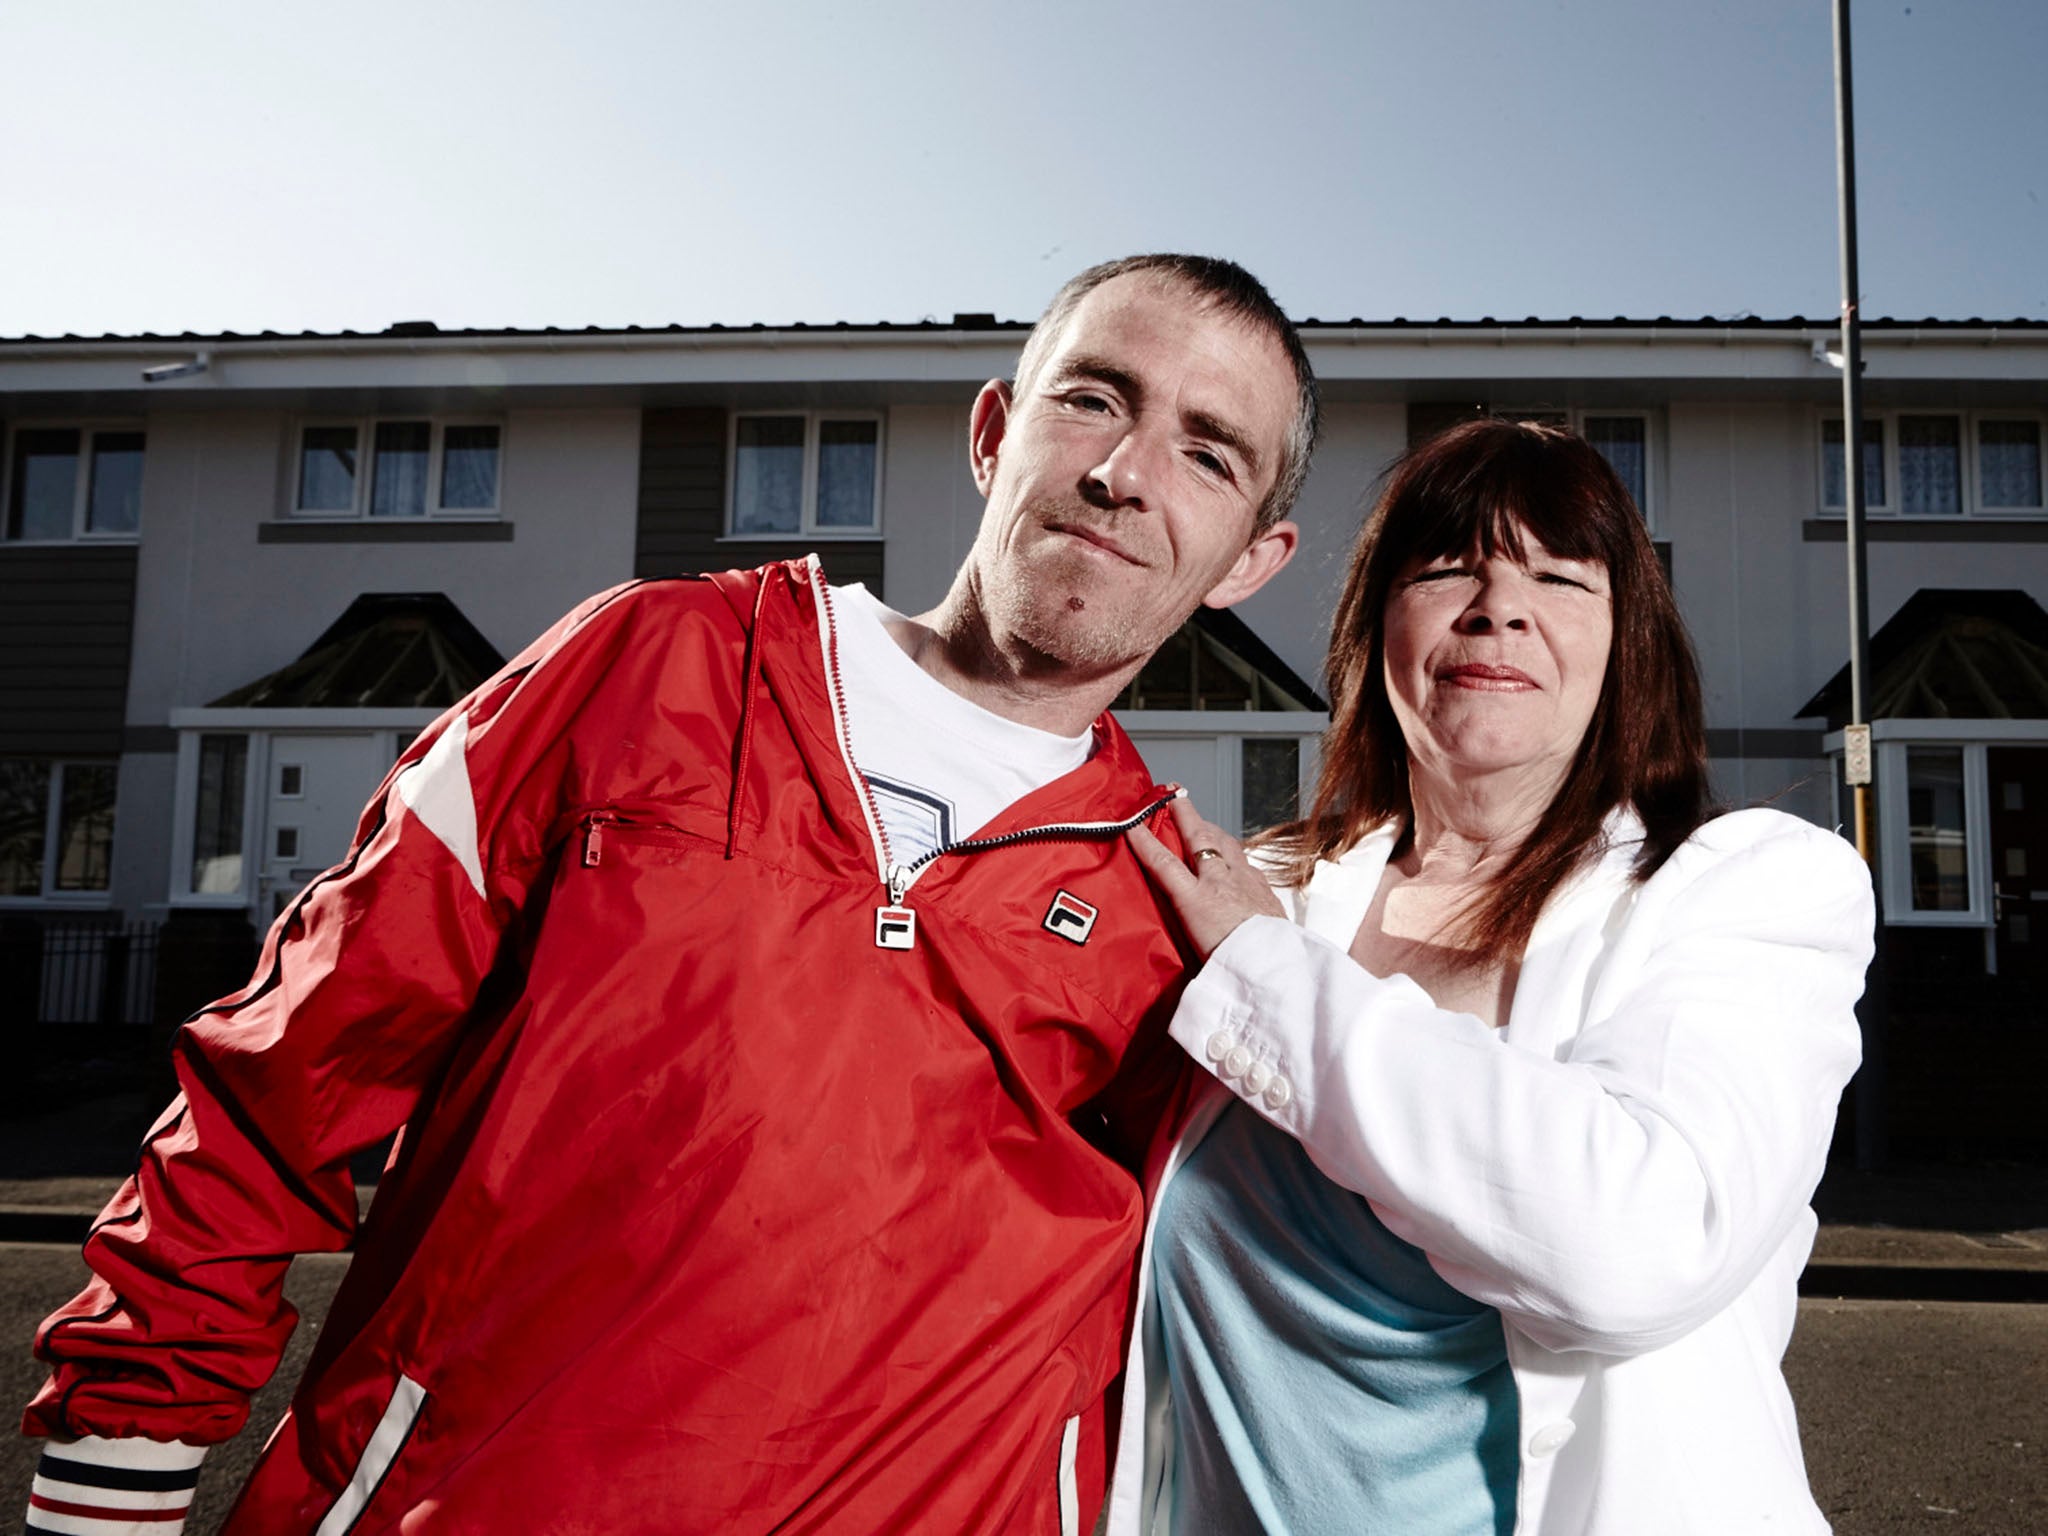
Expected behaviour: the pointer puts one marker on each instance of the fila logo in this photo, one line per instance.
(1070, 917)
(895, 928)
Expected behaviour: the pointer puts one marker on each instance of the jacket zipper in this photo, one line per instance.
(828, 638)
(901, 875)
(596, 823)
(895, 878)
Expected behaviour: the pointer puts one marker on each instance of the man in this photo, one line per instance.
(737, 962)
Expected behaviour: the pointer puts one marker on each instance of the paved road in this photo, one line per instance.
(35, 1278)
(1918, 1417)
(1924, 1416)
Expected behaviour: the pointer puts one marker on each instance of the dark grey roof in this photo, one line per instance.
(1948, 654)
(412, 330)
(388, 650)
(1217, 661)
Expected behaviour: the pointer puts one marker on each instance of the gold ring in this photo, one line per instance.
(1207, 853)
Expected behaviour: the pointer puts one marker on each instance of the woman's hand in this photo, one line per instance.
(1216, 889)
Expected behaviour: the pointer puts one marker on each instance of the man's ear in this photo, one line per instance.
(985, 429)
(1259, 564)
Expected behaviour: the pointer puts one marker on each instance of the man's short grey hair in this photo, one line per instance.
(1235, 291)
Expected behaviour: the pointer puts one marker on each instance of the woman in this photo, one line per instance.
(1576, 1041)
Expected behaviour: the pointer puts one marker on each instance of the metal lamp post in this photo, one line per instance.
(1858, 759)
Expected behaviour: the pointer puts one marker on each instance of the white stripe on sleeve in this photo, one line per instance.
(437, 789)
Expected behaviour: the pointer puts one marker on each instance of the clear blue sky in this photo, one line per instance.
(240, 165)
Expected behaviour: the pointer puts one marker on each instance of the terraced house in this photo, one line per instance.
(239, 572)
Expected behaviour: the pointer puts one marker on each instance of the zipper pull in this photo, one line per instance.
(593, 839)
(896, 924)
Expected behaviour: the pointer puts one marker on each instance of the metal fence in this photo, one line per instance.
(79, 974)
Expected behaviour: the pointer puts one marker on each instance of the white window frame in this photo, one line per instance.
(1574, 417)
(1895, 841)
(1891, 739)
(184, 802)
(1971, 496)
(1973, 470)
(808, 525)
(81, 490)
(53, 824)
(365, 428)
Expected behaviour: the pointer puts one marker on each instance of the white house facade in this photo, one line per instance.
(229, 597)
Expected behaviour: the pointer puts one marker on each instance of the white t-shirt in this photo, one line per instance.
(940, 767)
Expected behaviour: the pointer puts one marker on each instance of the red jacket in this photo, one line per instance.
(709, 1214)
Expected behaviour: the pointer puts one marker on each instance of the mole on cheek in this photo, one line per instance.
(1075, 604)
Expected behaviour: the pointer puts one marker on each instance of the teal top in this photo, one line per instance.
(1324, 1378)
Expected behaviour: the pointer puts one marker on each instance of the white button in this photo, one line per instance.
(1550, 1439)
(1235, 1063)
(1219, 1045)
(1279, 1092)
(1256, 1076)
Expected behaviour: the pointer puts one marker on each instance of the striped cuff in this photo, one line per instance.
(102, 1487)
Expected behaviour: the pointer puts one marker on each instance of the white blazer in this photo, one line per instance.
(1623, 1169)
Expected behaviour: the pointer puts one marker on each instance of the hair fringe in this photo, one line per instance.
(1484, 483)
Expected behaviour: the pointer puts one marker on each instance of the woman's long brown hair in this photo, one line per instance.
(1483, 485)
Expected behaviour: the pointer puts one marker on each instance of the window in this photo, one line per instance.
(1932, 832)
(1246, 778)
(217, 815)
(1624, 441)
(1835, 477)
(1272, 781)
(74, 482)
(805, 472)
(1939, 464)
(1937, 844)
(2009, 464)
(1622, 438)
(397, 469)
(1930, 466)
(56, 828)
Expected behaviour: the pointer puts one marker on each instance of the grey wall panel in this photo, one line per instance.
(682, 508)
(682, 492)
(434, 531)
(66, 616)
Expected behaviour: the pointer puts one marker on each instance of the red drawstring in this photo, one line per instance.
(748, 690)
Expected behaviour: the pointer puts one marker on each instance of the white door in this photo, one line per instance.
(318, 785)
(1196, 763)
